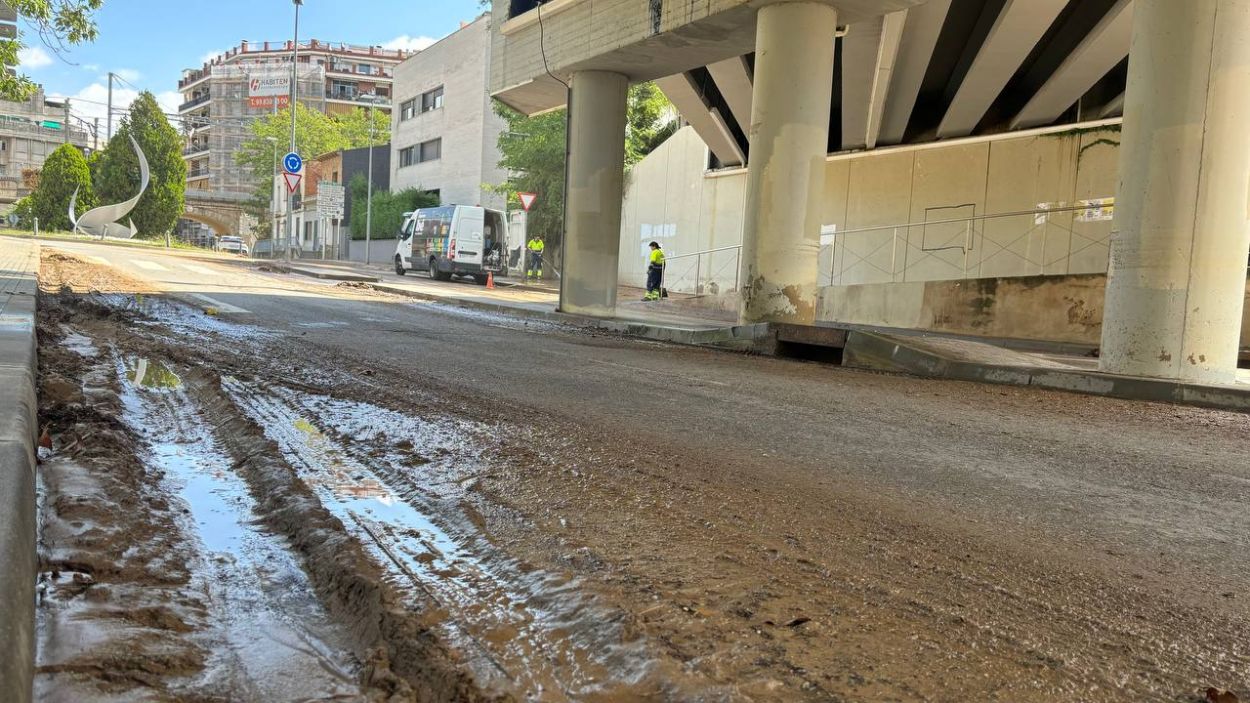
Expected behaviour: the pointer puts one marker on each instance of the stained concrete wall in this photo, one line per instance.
(878, 276)
(1065, 309)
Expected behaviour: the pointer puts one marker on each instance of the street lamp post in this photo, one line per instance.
(369, 192)
(290, 213)
(273, 198)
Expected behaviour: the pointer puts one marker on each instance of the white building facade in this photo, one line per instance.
(444, 130)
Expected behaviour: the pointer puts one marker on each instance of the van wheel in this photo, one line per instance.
(479, 278)
(432, 269)
(399, 265)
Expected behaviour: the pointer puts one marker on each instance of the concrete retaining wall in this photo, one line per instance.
(1051, 308)
(381, 251)
(18, 430)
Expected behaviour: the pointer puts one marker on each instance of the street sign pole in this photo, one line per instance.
(290, 214)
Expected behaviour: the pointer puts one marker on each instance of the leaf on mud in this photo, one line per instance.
(1216, 695)
(798, 621)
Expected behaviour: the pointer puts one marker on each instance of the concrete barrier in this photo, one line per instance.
(18, 431)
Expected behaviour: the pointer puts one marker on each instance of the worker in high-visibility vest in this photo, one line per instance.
(655, 272)
(535, 247)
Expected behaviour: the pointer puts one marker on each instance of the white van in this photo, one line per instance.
(453, 240)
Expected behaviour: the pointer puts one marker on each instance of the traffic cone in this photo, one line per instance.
(490, 279)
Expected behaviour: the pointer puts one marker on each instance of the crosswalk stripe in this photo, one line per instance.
(221, 307)
(97, 260)
(202, 270)
(149, 265)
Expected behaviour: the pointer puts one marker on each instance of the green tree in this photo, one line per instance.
(388, 208)
(532, 150)
(315, 134)
(59, 23)
(117, 172)
(64, 172)
(649, 121)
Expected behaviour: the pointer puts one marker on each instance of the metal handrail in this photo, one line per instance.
(698, 264)
(997, 215)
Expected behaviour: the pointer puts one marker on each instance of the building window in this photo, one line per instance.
(364, 68)
(407, 110)
(431, 150)
(419, 154)
(432, 100)
(340, 90)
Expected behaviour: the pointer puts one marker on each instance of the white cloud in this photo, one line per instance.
(408, 43)
(33, 57)
(91, 67)
(128, 74)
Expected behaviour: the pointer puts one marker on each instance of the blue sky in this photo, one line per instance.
(149, 42)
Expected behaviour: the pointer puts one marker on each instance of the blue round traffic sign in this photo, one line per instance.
(292, 163)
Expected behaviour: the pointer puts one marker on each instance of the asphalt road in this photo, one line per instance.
(1143, 501)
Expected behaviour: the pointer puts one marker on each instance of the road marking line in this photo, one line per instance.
(149, 265)
(221, 307)
(202, 270)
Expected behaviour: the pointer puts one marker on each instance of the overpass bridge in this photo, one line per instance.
(220, 210)
(775, 85)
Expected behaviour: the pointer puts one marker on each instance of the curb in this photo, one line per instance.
(875, 352)
(327, 276)
(741, 337)
(18, 431)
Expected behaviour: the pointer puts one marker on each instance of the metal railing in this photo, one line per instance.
(943, 248)
(685, 273)
(944, 245)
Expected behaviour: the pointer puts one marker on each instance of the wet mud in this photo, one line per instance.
(405, 540)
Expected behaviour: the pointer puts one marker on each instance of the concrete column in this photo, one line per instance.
(1177, 276)
(786, 167)
(596, 178)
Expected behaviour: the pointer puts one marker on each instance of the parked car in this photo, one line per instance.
(232, 245)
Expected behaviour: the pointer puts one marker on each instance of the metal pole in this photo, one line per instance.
(369, 192)
(290, 215)
(65, 126)
(95, 135)
(109, 134)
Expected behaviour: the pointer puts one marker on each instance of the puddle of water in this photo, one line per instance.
(78, 343)
(534, 632)
(268, 636)
(151, 374)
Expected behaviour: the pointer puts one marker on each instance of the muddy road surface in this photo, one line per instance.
(325, 493)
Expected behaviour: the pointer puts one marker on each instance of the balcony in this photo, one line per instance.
(195, 150)
(194, 102)
(380, 102)
(196, 173)
(353, 70)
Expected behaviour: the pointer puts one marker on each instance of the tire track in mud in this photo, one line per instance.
(268, 638)
(396, 482)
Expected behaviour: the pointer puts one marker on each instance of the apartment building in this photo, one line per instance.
(29, 132)
(225, 95)
(444, 132)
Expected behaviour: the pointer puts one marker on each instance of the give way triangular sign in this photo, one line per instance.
(527, 200)
(292, 181)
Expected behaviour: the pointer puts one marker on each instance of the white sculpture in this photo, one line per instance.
(102, 221)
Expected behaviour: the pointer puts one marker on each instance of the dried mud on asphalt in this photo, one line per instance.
(233, 515)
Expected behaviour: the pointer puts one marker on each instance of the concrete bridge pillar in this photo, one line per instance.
(596, 178)
(1177, 274)
(789, 134)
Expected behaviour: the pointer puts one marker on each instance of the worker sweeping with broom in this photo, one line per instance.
(655, 273)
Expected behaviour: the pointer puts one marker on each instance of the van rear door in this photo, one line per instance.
(468, 235)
